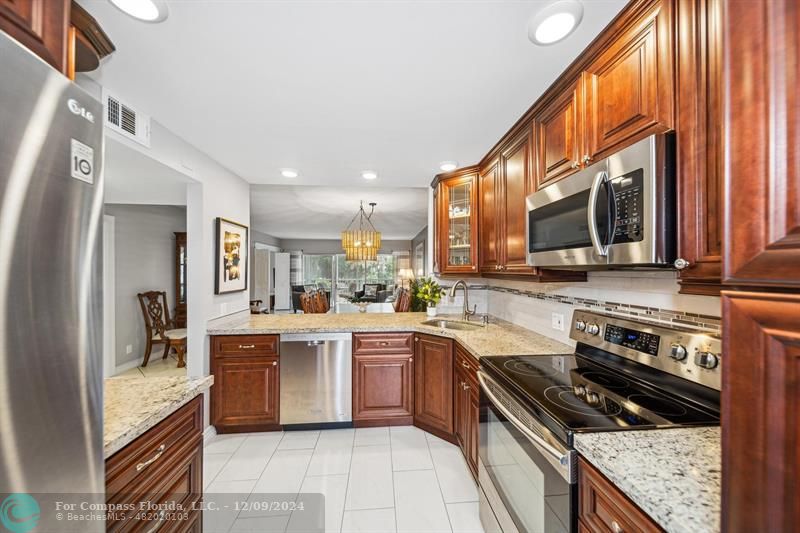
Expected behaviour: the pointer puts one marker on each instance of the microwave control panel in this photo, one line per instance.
(629, 202)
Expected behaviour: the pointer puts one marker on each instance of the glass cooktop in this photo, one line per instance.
(582, 395)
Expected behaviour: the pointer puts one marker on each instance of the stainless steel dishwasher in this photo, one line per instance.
(316, 380)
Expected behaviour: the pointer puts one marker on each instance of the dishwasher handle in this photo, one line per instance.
(316, 343)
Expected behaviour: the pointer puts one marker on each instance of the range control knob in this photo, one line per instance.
(592, 398)
(580, 325)
(677, 351)
(592, 329)
(579, 390)
(706, 360)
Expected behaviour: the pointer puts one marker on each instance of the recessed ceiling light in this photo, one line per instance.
(369, 174)
(447, 166)
(555, 22)
(289, 173)
(146, 10)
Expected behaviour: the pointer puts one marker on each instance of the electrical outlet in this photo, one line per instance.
(129, 348)
(558, 321)
(559, 364)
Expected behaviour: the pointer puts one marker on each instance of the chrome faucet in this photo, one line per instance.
(465, 313)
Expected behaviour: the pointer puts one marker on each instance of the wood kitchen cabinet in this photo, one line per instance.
(699, 137)
(40, 25)
(433, 385)
(466, 402)
(602, 507)
(162, 466)
(383, 379)
(246, 392)
(761, 326)
(558, 135)
(629, 87)
(489, 209)
(456, 222)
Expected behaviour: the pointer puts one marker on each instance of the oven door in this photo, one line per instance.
(528, 477)
(569, 222)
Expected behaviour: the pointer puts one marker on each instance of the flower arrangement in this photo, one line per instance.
(427, 291)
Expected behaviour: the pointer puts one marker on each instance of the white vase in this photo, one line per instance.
(431, 310)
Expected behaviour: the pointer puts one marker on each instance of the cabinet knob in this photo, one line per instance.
(384, 343)
(410, 359)
(681, 263)
(465, 365)
(575, 165)
(274, 363)
(586, 159)
(465, 386)
(616, 528)
(416, 339)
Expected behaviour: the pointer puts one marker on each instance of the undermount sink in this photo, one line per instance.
(451, 324)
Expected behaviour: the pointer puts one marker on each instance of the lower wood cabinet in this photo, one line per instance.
(433, 385)
(383, 379)
(603, 508)
(466, 402)
(163, 466)
(246, 392)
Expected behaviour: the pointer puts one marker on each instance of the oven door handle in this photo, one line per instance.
(564, 458)
(594, 234)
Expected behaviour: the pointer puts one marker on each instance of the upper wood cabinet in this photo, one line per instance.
(489, 194)
(456, 227)
(517, 185)
(558, 135)
(630, 87)
(699, 144)
(40, 25)
(433, 385)
(762, 140)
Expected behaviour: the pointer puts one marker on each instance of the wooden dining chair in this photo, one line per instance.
(159, 328)
(321, 302)
(307, 303)
(402, 304)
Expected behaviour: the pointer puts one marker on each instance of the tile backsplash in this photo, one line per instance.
(643, 296)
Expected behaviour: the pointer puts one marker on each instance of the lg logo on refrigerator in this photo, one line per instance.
(76, 108)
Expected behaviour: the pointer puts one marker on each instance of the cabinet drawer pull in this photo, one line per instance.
(410, 359)
(161, 516)
(274, 363)
(466, 365)
(384, 343)
(466, 387)
(246, 346)
(416, 339)
(159, 453)
(616, 528)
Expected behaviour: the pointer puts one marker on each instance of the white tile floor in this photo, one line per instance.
(156, 367)
(374, 480)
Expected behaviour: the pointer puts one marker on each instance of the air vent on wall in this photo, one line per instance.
(126, 121)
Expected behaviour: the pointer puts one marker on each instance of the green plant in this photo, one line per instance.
(428, 291)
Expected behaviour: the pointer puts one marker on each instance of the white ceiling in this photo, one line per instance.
(336, 87)
(316, 212)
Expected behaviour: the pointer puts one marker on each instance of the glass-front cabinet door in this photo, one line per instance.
(457, 219)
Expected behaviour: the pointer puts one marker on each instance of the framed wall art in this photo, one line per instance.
(231, 257)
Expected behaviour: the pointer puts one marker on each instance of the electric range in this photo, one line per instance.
(624, 375)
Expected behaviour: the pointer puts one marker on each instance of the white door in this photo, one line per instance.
(283, 292)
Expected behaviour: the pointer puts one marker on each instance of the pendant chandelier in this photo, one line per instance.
(361, 241)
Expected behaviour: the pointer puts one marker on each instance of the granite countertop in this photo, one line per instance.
(671, 474)
(132, 405)
(497, 338)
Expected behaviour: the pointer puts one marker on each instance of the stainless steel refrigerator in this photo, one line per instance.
(51, 201)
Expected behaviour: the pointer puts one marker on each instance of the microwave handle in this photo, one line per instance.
(594, 234)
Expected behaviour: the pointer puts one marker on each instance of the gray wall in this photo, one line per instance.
(144, 248)
(334, 246)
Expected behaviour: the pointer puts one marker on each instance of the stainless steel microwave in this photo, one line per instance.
(617, 213)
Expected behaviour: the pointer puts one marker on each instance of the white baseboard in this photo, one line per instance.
(126, 366)
(209, 433)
